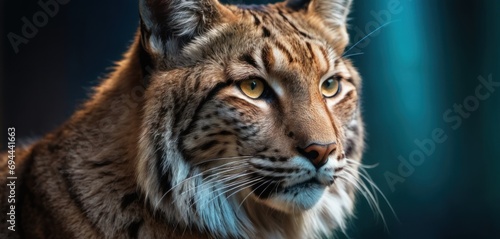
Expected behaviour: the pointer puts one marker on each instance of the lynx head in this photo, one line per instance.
(251, 124)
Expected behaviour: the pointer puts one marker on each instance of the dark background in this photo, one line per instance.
(415, 69)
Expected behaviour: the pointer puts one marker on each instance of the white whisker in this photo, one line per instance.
(240, 186)
(381, 193)
(213, 178)
(368, 35)
(225, 158)
(191, 177)
(354, 54)
(361, 165)
(362, 191)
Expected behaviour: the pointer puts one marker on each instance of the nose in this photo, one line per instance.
(317, 153)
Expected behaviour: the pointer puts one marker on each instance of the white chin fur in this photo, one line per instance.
(297, 200)
(331, 212)
(319, 214)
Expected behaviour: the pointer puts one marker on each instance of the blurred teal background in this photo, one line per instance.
(415, 71)
(420, 67)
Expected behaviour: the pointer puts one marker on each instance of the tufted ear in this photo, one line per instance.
(334, 12)
(168, 25)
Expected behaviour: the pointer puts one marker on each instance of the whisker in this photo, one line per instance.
(191, 177)
(266, 180)
(243, 165)
(363, 170)
(360, 189)
(224, 158)
(369, 34)
(381, 193)
(375, 202)
(269, 184)
(354, 54)
(366, 195)
(220, 181)
(248, 195)
(253, 181)
(212, 178)
(239, 188)
(226, 179)
(361, 165)
(225, 170)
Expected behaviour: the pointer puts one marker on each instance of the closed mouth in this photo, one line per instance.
(313, 182)
(266, 189)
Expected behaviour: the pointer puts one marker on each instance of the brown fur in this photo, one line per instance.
(96, 176)
(89, 157)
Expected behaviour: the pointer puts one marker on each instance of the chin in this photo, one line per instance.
(298, 198)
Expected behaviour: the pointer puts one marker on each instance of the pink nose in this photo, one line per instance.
(318, 153)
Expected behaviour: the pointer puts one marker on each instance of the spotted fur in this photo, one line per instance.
(170, 147)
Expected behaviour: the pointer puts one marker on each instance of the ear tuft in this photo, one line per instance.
(168, 25)
(334, 12)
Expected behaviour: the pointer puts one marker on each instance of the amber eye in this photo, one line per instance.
(330, 87)
(253, 88)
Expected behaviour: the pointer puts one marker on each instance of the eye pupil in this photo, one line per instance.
(329, 83)
(253, 85)
(253, 88)
(330, 87)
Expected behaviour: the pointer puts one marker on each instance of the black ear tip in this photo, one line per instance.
(297, 4)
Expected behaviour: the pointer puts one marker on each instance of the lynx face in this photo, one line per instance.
(250, 110)
(277, 125)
